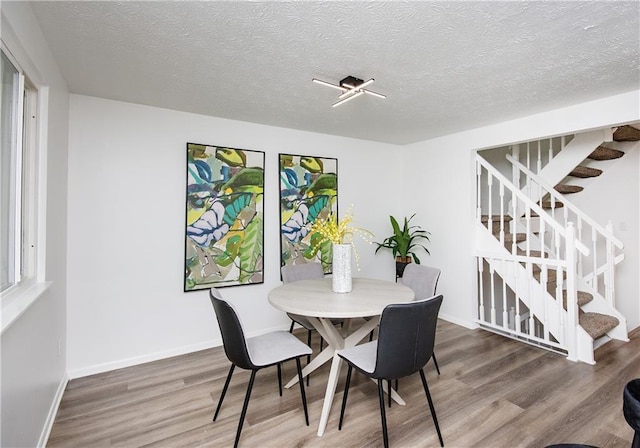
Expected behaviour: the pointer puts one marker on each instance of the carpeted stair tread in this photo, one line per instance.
(494, 218)
(604, 153)
(495, 223)
(596, 324)
(520, 237)
(626, 134)
(584, 172)
(552, 274)
(547, 205)
(583, 298)
(532, 253)
(568, 189)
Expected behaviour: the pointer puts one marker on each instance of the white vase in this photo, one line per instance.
(341, 268)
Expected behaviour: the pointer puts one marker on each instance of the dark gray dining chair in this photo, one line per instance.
(423, 280)
(405, 343)
(631, 409)
(254, 353)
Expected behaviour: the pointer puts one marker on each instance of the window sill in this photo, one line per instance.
(16, 302)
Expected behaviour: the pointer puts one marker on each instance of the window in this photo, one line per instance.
(17, 175)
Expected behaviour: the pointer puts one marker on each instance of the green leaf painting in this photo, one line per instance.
(224, 238)
(308, 191)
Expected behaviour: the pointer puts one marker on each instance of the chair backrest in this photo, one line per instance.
(631, 404)
(406, 337)
(306, 271)
(235, 345)
(423, 280)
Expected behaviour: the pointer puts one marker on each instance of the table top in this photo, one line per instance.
(316, 299)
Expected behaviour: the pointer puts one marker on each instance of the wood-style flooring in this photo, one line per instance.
(493, 392)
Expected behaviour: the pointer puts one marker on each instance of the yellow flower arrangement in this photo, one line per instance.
(339, 232)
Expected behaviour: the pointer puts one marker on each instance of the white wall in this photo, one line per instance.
(33, 371)
(126, 223)
(126, 226)
(441, 172)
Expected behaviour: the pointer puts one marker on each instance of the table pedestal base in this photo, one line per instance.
(336, 342)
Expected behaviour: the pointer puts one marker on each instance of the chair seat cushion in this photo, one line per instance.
(274, 347)
(362, 356)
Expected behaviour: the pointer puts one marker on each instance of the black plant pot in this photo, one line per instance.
(401, 263)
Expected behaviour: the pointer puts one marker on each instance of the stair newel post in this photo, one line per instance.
(481, 288)
(531, 293)
(564, 326)
(518, 322)
(609, 272)
(501, 213)
(514, 203)
(572, 299)
(505, 308)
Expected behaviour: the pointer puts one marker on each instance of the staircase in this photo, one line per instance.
(596, 325)
(546, 269)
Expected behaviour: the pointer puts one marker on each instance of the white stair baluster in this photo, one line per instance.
(493, 293)
(505, 317)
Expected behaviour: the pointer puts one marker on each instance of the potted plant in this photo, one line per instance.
(403, 243)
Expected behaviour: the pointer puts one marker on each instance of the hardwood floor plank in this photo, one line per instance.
(493, 392)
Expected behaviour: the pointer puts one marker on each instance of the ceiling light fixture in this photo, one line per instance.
(351, 88)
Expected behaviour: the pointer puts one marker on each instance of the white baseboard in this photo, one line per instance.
(128, 362)
(457, 321)
(53, 410)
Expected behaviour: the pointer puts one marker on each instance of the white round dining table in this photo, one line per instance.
(315, 300)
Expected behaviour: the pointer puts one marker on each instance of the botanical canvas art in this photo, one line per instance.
(224, 217)
(308, 191)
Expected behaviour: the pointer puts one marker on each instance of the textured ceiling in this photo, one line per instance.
(445, 66)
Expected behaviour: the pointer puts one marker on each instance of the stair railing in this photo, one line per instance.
(596, 269)
(521, 206)
(527, 272)
(538, 153)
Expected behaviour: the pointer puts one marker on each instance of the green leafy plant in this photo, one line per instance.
(405, 240)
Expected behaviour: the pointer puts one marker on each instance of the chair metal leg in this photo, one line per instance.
(244, 407)
(385, 436)
(433, 411)
(280, 378)
(224, 391)
(304, 396)
(291, 327)
(309, 356)
(389, 390)
(397, 386)
(344, 397)
(433, 356)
